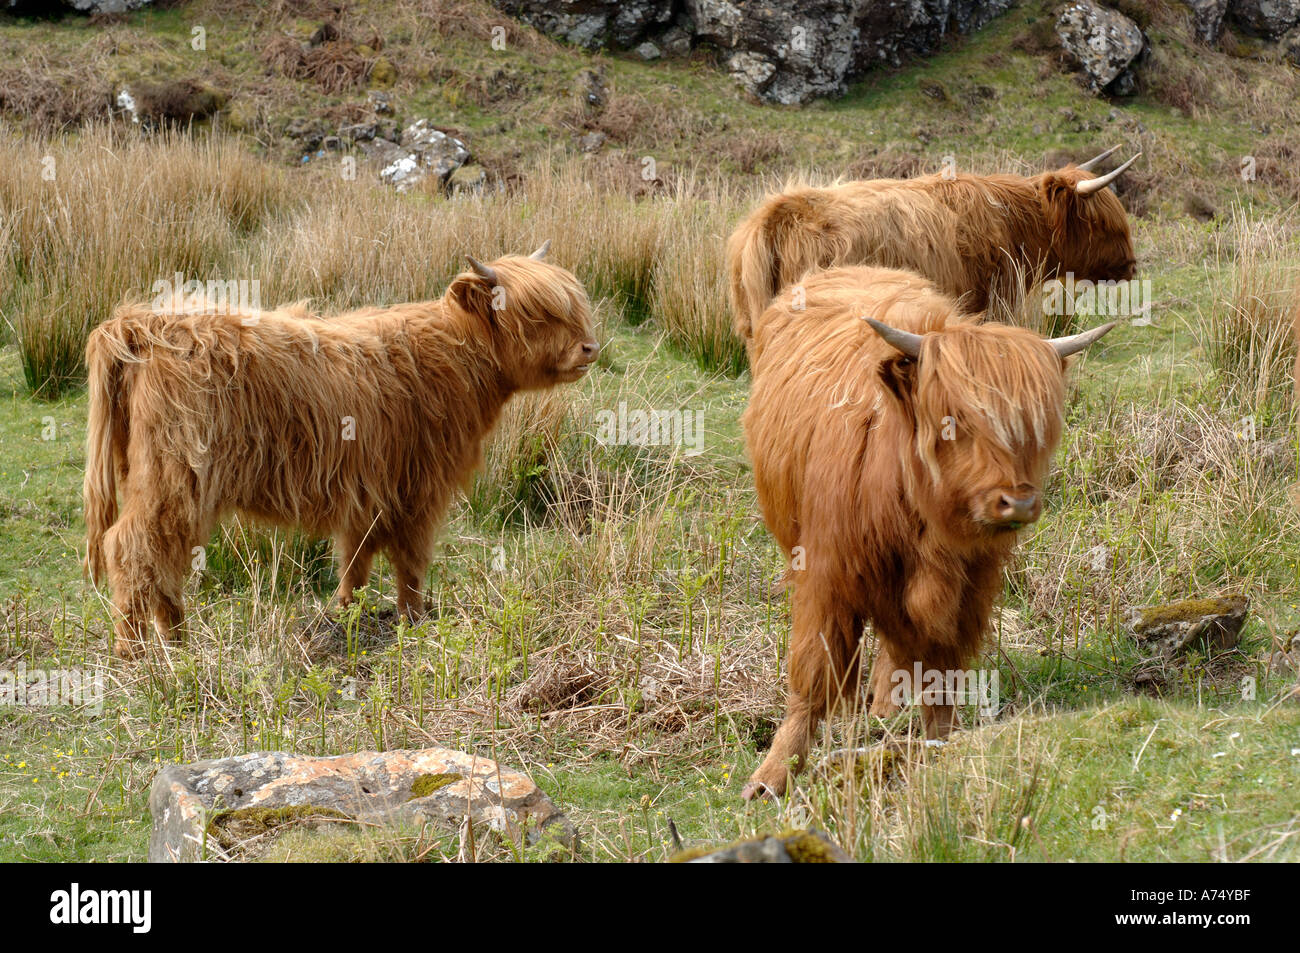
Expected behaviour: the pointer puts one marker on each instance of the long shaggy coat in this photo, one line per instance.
(972, 235)
(360, 426)
(881, 477)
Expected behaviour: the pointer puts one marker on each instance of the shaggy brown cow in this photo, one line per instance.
(972, 235)
(893, 467)
(361, 426)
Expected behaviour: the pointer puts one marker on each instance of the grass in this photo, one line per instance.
(604, 617)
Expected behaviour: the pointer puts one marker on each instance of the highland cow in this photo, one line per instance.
(360, 426)
(974, 236)
(894, 460)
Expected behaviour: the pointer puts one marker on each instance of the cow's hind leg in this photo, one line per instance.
(823, 665)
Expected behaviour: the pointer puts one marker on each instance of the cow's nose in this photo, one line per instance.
(1018, 507)
(590, 349)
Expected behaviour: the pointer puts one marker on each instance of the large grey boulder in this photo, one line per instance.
(1103, 41)
(424, 151)
(198, 808)
(1270, 19)
(1207, 18)
(1213, 624)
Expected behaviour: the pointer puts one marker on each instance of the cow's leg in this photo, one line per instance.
(947, 612)
(883, 684)
(410, 557)
(356, 553)
(823, 663)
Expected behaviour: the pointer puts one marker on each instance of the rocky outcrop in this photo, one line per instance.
(788, 52)
(210, 810)
(1103, 42)
(1269, 19)
(595, 23)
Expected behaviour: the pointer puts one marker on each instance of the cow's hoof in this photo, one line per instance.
(762, 790)
(127, 649)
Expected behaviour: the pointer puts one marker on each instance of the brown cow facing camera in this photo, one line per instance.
(972, 235)
(360, 426)
(894, 458)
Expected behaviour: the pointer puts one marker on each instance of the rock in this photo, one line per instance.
(1270, 19)
(424, 151)
(1207, 18)
(381, 151)
(593, 23)
(784, 52)
(790, 847)
(1289, 46)
(1103, 41)
(104, 6)
(676, 41)
(358, 131)
(592, 141)
(203, 810)
(1210, 624)
(648, 51)
(380, 102)
(594, 91)
(307, 133)
(468, 178)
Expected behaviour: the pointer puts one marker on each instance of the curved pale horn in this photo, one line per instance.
(1077, 342)
(541, 252)
(905, 341)
(1088, 186)
(482, 270)
(1088, 166)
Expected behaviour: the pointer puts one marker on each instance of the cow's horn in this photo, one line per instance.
(1088, 166)
(482, 270)
(1075, 343)
(541, 252)
(905, 341)
(1088, 186)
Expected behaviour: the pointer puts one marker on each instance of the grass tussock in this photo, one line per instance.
(1249, 332)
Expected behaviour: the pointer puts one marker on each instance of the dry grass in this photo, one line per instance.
(1248, 333)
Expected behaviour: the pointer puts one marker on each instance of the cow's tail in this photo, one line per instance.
(108, 350)
(766, 250)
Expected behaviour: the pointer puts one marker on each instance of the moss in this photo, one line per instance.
(1189, 610)
(232, 827)
(383, 73)
(809, 847)
(426, 784)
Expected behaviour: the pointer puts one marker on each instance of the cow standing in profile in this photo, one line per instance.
(894, 458)
(360, 426)
(974, 236)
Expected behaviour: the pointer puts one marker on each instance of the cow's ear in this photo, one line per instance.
(1058, 197)
(898, 374)
(473, 294)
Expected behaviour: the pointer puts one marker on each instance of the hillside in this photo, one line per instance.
(607, 618)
